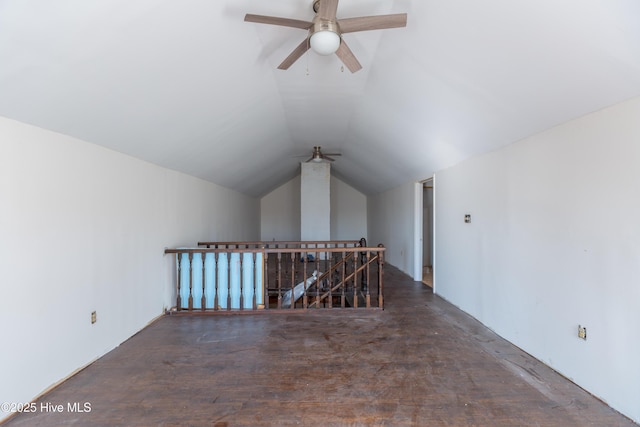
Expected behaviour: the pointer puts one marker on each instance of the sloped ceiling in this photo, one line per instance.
(186, 84)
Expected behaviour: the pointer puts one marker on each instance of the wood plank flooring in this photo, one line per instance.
(420, 362)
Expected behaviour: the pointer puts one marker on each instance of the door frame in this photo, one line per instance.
(418, 232)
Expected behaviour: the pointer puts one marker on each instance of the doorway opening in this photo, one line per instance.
(427, 232)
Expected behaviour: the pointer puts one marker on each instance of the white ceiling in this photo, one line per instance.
(186, 84)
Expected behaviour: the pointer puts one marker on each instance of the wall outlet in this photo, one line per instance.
(582, 332)
(467, 218)
(94, 317)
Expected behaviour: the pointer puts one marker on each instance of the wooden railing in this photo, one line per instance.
(284, 244)
(244, 276)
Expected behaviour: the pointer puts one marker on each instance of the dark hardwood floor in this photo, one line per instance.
(420, 362)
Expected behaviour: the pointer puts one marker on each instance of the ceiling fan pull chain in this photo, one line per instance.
(307, 55)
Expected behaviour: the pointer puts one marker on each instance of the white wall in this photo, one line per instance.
(83, 229)
(348, 212)
(554, 242)
(280, 212)
(391, 221)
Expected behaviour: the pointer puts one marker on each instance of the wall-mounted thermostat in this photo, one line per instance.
(467, 218)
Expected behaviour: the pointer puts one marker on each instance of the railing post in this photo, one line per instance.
(380, 275)
(343, 297)
(216, 279)
(293, 278)
(228, 279)
(204, 275)
(241, 256)
(265, 279)
(305, 262)
(179, 299)
(317, 269)
(330, 279)
(279, 279)
(255, 281)
(355, 281)
(190, 281)
(363, 282)
(367, 294)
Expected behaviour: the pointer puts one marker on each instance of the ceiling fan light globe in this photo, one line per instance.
(325, 42)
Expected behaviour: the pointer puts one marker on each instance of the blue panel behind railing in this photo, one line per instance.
(228, 281)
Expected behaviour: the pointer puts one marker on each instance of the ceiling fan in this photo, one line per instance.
(319, 156)
(325, 31)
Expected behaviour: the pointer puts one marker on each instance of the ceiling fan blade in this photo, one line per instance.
(295, 55)
(333, 154)
(324, 156)
(274, 20)
(328, 9)
(366, 23)
(308, 160)
(347, 57)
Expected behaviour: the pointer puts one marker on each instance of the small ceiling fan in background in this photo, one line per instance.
(318, 156)
(325, 31)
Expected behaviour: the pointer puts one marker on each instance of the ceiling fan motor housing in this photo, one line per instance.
(324, 36)
(317, 154)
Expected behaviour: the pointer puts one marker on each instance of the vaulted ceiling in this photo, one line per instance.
(188, 85)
